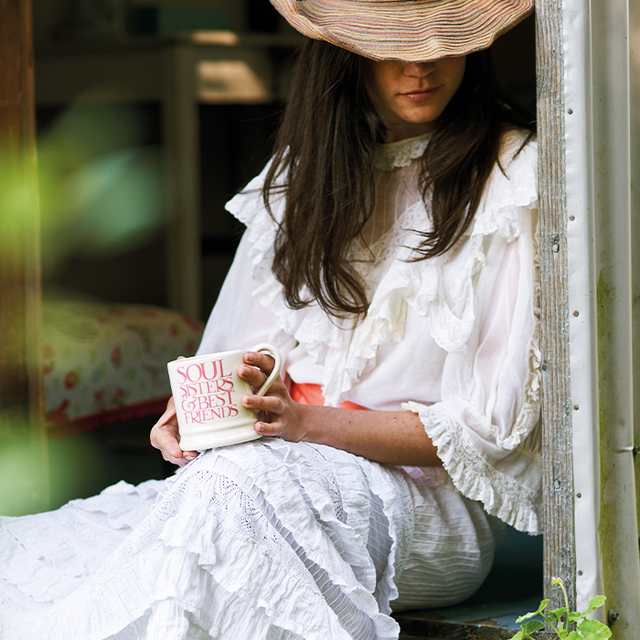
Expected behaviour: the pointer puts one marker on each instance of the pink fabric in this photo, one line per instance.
(312, 394)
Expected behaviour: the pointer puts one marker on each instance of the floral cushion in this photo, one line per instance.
(108, 363)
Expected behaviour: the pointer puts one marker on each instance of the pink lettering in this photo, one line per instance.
(199, 371)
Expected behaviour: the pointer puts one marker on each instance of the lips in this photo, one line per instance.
(420, 94)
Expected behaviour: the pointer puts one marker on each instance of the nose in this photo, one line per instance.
(418, 69)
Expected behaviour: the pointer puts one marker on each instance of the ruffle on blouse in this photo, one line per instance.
(400, 154)
(345, 353)
(500, 494)
(348, 353)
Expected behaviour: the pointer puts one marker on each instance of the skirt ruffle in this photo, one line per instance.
(257, 541)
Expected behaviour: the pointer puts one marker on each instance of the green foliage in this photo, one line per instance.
(586, 629)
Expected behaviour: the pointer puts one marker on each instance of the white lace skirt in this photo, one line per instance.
(265, 540)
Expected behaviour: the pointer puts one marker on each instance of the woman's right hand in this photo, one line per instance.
(166, 437)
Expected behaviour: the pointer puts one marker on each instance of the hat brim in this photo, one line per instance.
(410, 30)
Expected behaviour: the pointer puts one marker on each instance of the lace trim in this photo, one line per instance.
(501, 495)
(400, 154)
(401, 237)
(339, 346)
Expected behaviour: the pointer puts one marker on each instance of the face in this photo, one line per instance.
(411, 96)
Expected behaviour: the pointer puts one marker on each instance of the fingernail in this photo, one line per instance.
(250, 356)
(190, 457)
(260, 427)
(249, 400)
(246, 371)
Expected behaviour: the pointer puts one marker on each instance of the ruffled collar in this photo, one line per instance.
(393, 155)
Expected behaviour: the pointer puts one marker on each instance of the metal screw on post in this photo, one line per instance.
(612, 616)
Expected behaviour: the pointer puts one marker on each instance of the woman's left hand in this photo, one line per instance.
(279, 414)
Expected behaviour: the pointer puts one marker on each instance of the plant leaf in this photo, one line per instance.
(526, 616)
(531, 626)
(556, 614)
(594, 604)
(594, 630)
(518, 636)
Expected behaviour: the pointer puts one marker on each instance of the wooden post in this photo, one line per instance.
(180, 140)
(559, 538)
(23, 453)
(591, 139)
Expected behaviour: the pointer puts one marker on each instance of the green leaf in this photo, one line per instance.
(594, 630)
(526, 616)
(532, 626)
(556, 614)
(594, 604)
(518, 636)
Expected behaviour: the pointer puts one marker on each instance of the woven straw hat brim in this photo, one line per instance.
(411, 30)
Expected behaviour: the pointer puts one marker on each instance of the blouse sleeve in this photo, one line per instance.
(238, 320)
(486, 424)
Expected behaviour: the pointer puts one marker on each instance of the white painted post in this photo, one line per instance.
(600, 145)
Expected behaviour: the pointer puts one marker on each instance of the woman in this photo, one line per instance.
(390, 255)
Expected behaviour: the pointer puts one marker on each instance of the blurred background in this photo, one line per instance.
(198, 84)
(149, 116)
(108, 101)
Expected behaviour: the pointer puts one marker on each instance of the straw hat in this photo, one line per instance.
(411, 30)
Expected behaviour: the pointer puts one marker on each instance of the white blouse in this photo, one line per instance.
(453, 338)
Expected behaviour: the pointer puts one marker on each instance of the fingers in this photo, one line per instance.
(166, 437)
(259, 361)
(271, 429)
(269, 404)
(252, 375)
(276, 404)
(272, 413)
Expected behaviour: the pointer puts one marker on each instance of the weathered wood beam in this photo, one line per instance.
(559, 538)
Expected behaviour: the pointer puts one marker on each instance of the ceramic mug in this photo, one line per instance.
(208, 392)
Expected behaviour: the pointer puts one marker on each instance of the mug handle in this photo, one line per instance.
(277, 366)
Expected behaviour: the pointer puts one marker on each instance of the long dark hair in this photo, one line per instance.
(323, 162)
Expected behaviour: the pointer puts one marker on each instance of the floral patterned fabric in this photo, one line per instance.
(107, 363)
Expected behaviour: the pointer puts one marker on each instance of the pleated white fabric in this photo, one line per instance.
(257, 541)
